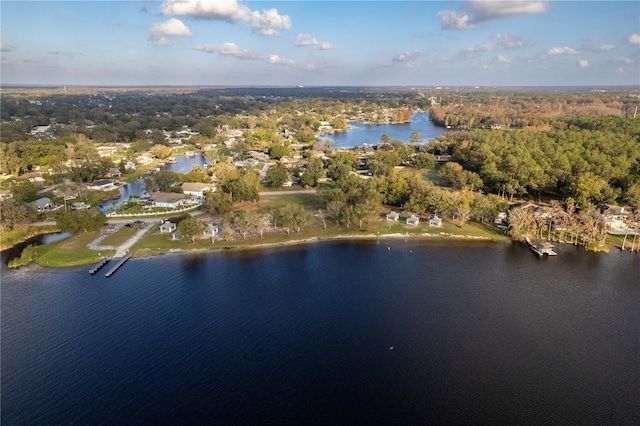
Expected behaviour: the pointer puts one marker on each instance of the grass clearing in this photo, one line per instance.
(73, 251)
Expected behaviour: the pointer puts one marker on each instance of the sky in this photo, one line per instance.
(320, 43)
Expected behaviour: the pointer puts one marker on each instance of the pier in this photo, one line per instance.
(118, 265)
(99, 265)
(544, 248)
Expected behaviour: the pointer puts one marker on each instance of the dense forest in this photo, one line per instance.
(591, 159)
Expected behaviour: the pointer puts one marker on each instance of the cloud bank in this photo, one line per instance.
(475, 12)
(268, 22)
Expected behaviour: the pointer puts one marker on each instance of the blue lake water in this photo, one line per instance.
(360, 134)
(389, 332)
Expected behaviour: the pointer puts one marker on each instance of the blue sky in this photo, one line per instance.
(407, 43)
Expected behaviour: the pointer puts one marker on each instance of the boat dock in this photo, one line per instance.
(119, 264)
(543, 248)
(99, 265)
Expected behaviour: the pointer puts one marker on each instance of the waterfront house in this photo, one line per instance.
(168, 227)
(171, 200)
(615, 217)
(393, 216)
(114, 173)
(42, 205)
(413, 220)
(197, 189)
(435, 221)
(80, 205)
(102, 185)
(176, 235)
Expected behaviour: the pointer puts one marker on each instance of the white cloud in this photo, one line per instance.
(64, 53)
(475, 12)
(627, 61)
(160, 32)
(503, 59)
(453, 21)
(307, 40)
(268, 22)
(4, 47)
(601, 47)
(472, 51)
(277, 60)
(408, 57)
(583, 63)
(507, 41)
(229, 49)
(172, 27)
(634, 39)
(565, 50)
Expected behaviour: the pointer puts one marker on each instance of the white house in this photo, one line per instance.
(197, 189)
(170, 200)
(42, 205)
(413, 220)
(102, 185)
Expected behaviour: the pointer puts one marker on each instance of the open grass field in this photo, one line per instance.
(72, 252)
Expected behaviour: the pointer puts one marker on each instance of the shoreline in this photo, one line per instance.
(310, 240)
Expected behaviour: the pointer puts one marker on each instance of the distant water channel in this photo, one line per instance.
(357, 135)
(388, 332)
(183, 164)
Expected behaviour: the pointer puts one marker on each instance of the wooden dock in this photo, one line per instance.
(119, 264)
(99, 265)
(543, 248)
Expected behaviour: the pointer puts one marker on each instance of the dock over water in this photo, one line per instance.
(118, 265)
(99, 265)
(542, 248)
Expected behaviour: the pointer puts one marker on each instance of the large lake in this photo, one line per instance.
(360, 134)
(388, 332)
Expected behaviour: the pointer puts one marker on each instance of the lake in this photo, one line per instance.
(359, 133)
(378, 332)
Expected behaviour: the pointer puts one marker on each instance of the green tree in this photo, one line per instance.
(190, 228)
(244, 188)
(12, 211)
(81, 220)
(218, 202)
(415, 138)
(424, 160)
(160, 151)
(279, 151)
(277, 175)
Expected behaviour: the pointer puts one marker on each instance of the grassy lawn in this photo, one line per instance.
(118, 238)
(72, 251)
(269, 202)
